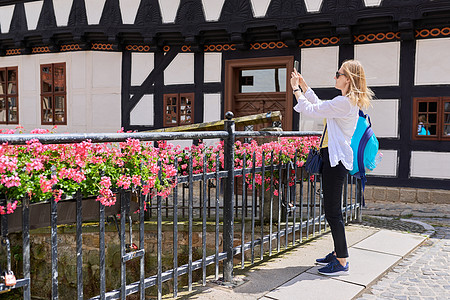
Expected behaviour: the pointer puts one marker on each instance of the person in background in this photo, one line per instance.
(341, 114)
(421, 130)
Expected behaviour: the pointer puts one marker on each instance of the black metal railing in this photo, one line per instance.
(219, 201)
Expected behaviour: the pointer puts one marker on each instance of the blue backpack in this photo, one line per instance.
(365, 148)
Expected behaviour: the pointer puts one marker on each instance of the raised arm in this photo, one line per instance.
(299, 85)
(338, 107)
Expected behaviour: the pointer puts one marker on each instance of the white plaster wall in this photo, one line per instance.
(79, 109)
(6, 13)
(313, 5)
(432, 61)
(182, 143)
(105, 116)
(79, 77)
(211, 112)
(310, 124)
(129, 9)
(213, 67)
(319, 65)
(62, 11)
(142, 65)
(260, 7)
(381, 62)
(384, 116)
(27, 74)
(180, 70)
(430, 164)
(143, 112)
(90, 107)
(32, 12)
(387, 165)
(211, 108)
(212, 9)
(107, 70)
(28, 92)
(372, 2)
(28, 117)
(94, 9)
(169, 10)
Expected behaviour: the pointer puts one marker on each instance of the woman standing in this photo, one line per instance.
(341, 116)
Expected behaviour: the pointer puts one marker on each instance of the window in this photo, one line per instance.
(9, 109)
(262, 80)
(53, 94)
(431, 118)
(178, 109)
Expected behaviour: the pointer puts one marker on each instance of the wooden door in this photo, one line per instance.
(258, 103)
(259, 85)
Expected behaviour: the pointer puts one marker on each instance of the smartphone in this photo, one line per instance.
(296, 65)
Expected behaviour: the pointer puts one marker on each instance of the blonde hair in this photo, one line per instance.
(358, 91)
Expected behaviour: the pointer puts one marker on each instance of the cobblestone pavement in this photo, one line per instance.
(424, 273)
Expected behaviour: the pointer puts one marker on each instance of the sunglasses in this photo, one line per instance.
(339, 74)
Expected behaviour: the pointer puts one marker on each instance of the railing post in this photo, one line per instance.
(26, 246)
(228, 222)
(359, 200)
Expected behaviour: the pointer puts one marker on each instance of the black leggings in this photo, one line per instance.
(333, 179)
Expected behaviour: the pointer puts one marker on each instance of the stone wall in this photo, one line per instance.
(406, 195)
(40, 244)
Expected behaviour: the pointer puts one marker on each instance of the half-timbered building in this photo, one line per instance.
(99, 65)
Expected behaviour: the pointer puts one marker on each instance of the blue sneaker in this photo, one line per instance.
(334, 268)
(326, 260)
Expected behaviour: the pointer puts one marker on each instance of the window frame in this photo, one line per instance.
(440, 101)
(53, 94)
(7, 95)
(178, 96)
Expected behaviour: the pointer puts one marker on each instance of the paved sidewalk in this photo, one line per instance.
(369, 259)
(390, 247)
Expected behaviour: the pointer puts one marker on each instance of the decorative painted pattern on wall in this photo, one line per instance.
(270, 45)
(138, 48)
(433, 33)
(13, 52)
(103, 47)
(219, 48)
(71, 47)
(40, 50)
(377, 37)
(186, 48)
(317, 42)
(326, 41)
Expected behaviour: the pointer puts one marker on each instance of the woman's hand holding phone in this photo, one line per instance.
(298, 80)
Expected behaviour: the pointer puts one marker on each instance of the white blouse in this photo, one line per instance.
(341, 116)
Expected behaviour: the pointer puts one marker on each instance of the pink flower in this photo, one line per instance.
(105, 182)
(57, 194)
(123, 181)
(46, 185)
(136, 179)
(10, 181)
(10, 208)
(39, 131)
(106, 197)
